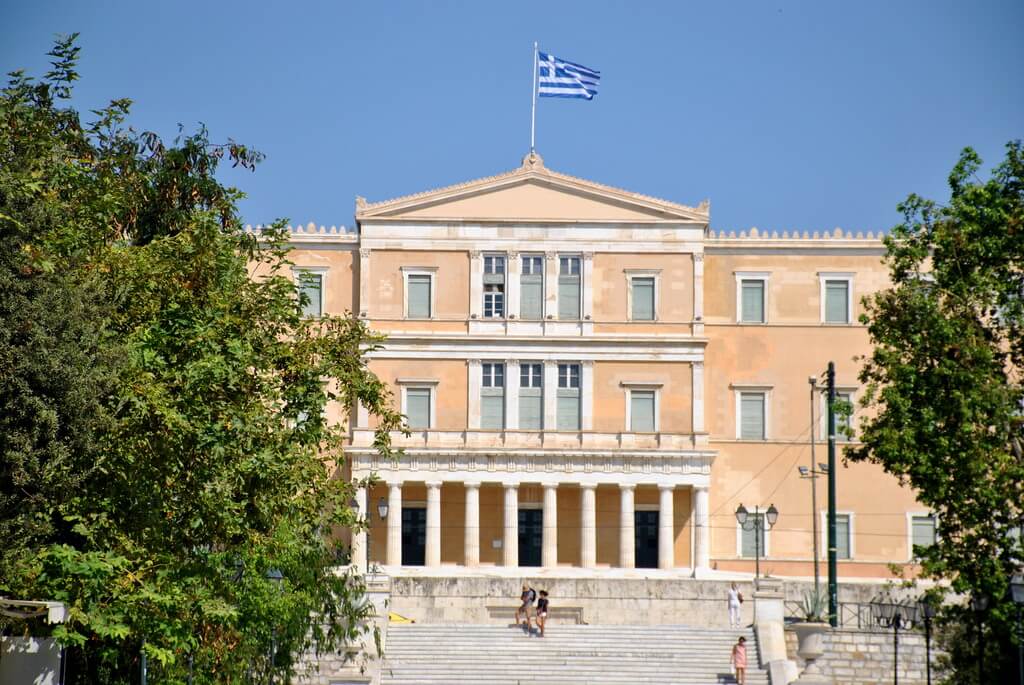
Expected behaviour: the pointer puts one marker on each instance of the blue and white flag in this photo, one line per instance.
(557, 78)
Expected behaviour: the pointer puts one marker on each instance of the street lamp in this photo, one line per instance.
(979, 603)
(758, 524)
(277, 578)
(894, 615)
(927, 612)
(812, 474)
(1017, 590)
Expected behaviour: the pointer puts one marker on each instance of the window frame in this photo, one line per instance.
(486, 257)
(655, 276)
(579, 297)
(523, 257)
(528, 366)
(764, 277)
(429, 384)
(642, 386)
(766, 551)
(850, 531)
(823, 411)
(488, 388)
(823, 279)
(911, 515)
(431, 272)
(766, 390)
(578, 388)
(299, 271)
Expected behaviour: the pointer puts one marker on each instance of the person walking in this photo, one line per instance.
(542, 611)
(526, 601)
(739, 660)
(735, 600)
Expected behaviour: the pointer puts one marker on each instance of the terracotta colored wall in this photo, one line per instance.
(451, 282)
(675, 296)
(450, 393)
(342, 287)
(676, 413)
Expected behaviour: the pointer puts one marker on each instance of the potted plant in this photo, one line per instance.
(811, 634)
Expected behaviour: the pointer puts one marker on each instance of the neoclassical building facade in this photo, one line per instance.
(595, 379)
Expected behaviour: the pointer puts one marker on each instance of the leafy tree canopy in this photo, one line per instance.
(946, 374)
(163, 441)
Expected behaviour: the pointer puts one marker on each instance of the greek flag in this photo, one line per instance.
(557, 78)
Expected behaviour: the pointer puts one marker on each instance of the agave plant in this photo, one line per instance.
(813, 606)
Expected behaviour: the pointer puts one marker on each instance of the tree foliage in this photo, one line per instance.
(163, 440)
(946, 376)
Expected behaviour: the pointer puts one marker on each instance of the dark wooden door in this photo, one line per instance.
(646, 526)
(531, 536)
(414, 536)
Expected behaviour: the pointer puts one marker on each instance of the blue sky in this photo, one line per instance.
(785, 114)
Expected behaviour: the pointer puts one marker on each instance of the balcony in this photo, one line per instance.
(529, 440)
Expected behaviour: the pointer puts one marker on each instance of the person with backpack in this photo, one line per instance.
(527, 599)
(542, 611)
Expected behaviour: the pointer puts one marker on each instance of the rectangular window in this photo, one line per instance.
(494, 286)
(842, 536)
(311, 290)
(569, 288)
(531, 396)
(837, 301)
(922, 531)
(418, 296)
(531, 287)
(752, 537)
(568, 397)
(417, 407)
(492, 397)
(642, 294)
(752, 301)
(844, 420)
(641, 411)
(752, 415)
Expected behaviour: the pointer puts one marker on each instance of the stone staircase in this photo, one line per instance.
(567, 655)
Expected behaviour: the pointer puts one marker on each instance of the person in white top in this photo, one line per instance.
(735, 599)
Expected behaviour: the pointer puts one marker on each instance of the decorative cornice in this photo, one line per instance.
(755, 233)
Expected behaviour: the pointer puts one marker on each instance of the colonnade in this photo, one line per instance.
(550, 530)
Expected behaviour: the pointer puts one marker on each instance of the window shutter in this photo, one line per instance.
(569, 297)
(641, 411)
(923, 530)
(836, 301)
(843, 536)
(531, 409)
(753, 302)
(492, 409)
(568, 409)
(749, 541)
(643, 299)
(311, 285)
(531, 297)
(419, 296)
(752, 416)
(417, 407)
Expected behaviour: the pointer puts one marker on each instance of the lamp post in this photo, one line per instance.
(758, 524)
(894, 615)
(812, 474)
(927, 612)
(979, 603)
(1017, 590)
(277, 578)
(833, 574)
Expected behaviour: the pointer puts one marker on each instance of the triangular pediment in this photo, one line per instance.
(531, 193)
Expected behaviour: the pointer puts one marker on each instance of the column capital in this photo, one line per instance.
(666, 486)
(698, 364)
(627, 486)
(588, 256)
(473, 362)
(589, 363)
(588, 486)
(364, 252)
(698, 256)
(471, 484)
(701, 488)
(549, 486)
(475, 254)
(510, 486)
(512, 254)
(434, 484)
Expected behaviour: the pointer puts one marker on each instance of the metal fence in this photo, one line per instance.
(850, 614)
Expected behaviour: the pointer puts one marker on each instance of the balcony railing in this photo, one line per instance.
(538, 440)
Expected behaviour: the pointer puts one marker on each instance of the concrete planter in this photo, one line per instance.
(811, 647)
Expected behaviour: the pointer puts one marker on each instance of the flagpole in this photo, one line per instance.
(533, 110)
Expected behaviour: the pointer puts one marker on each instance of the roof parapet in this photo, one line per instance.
(755, 233)
(312, 231)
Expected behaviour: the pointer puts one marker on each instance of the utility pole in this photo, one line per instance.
(813, 381)
(833, 587)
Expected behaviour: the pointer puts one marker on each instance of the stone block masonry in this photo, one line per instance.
(859, 657)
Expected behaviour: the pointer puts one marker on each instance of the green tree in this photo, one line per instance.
(164, 450)
(945, 379)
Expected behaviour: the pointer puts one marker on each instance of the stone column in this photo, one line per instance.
(512, 394)
(698, 293)
(471, 545)
(666, 528)
(364, 282)
(588, 525)
(433, 551)
(587, 289)
(550, 395)
(476, 284)
(627, 527)
(394, 556)
(360, 555)
(701, 530)
(510, 543)
(550, 285)
(549, 548)
(513, 266)
(587, 394)
(475, 380)
(698, 397)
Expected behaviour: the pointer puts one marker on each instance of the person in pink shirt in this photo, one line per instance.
(739, 660)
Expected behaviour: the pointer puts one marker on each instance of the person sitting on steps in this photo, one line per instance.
(542, 611)
(527, 599)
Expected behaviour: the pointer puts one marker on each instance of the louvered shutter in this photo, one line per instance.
(568, 409)
(643, 299)
(311, 286)
(753, 301)
(492, 408)
(419, 296)
(641, 411)
(531, 297)
(843, 536)
(568, 297)
(923, 530)
(531, 408)
(752, 416)
(749, 538)
(417, 407)
(837, 301)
